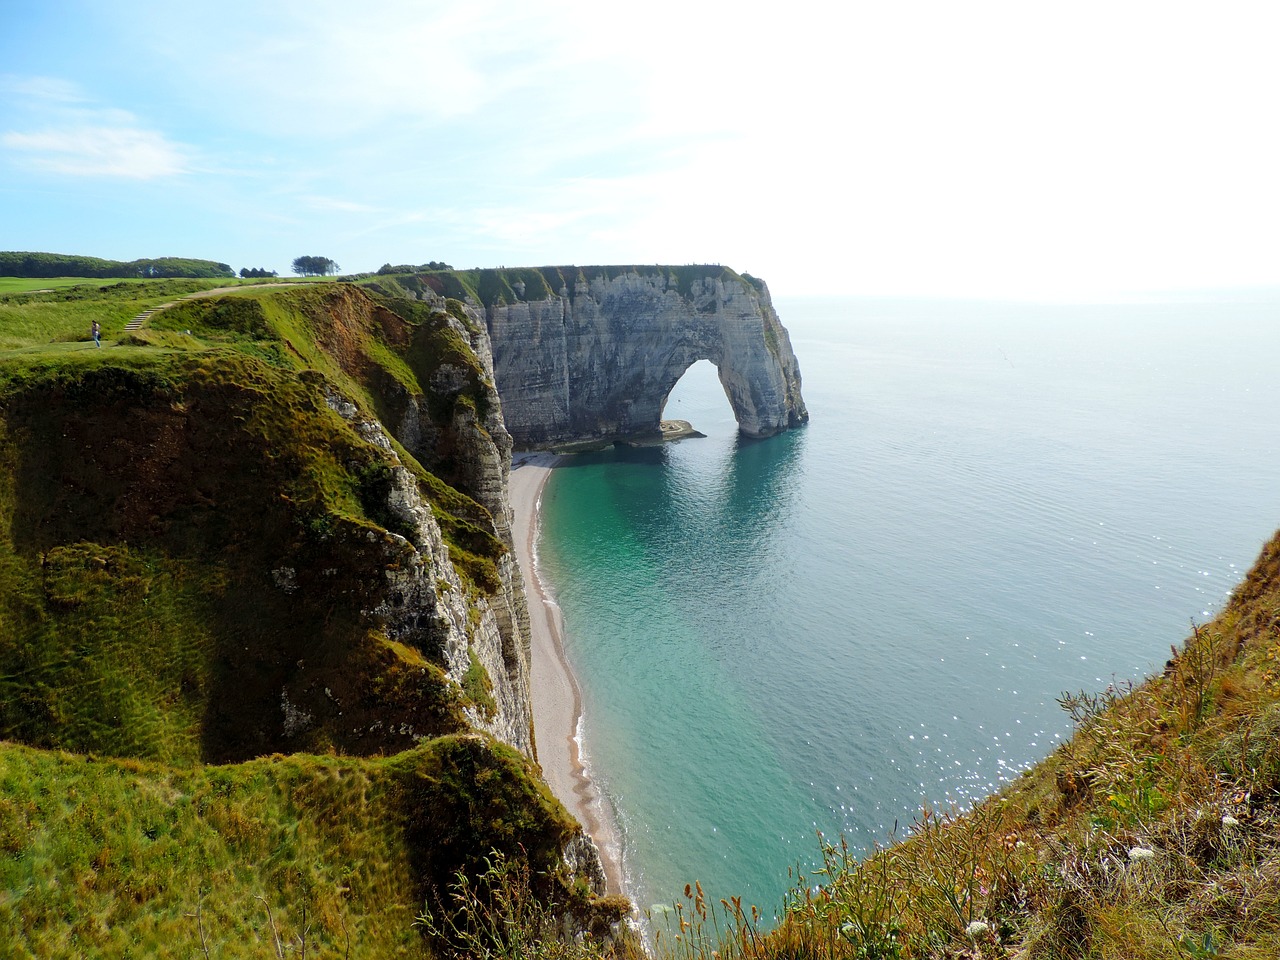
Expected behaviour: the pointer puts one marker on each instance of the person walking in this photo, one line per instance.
(97, 335)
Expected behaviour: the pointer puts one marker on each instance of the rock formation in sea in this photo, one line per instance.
(592, 353)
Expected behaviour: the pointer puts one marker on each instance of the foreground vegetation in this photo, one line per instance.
(127, 858)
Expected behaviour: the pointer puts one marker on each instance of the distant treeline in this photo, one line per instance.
(19, 263)
(387, 268)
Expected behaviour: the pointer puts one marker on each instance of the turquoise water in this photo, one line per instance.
(992, 504)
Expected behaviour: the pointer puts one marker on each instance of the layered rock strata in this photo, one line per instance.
(596, 361)
(426, 604)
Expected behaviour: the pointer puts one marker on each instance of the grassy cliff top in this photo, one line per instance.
(207, 746)
(506, 285)
(41, 314)
(124, 858)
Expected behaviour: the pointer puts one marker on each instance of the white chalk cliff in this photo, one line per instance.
(595, 360)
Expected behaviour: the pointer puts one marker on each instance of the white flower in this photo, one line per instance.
(1137, 854)
(1228, 821)
(977, 928)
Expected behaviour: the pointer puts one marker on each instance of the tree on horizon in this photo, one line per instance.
(314, 266)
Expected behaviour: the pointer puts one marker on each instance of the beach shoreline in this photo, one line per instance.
(554, 690)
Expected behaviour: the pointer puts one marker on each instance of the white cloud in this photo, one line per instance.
(335, 205)
(44, 89)
(89, 150)
(320, 70)
(81, 139)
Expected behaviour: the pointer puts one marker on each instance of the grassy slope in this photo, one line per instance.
(180, 485)
(379, 353)
(127, 858)
(147, 492)
(33, 320)
(35, 313)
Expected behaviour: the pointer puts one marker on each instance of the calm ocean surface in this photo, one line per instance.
(992, 504)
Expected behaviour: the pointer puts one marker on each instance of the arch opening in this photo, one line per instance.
(700, 400)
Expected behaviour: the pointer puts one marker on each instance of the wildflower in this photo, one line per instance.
(1138, 854)
(977, 928)
(1228, 821)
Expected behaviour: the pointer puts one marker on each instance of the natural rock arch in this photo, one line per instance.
(597, 363)
(700, 372)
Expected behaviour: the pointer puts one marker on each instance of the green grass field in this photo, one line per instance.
(127, 858)
(44, 284)
(66, 314)
(37, 313)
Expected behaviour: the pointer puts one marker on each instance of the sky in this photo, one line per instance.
(977, 149)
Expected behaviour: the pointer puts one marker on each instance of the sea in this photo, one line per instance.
(993, 504)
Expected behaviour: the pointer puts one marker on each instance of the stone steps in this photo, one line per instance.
(142, 318)
(137, 322)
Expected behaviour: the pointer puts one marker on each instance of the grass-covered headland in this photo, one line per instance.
(156, 799)
(207, 746)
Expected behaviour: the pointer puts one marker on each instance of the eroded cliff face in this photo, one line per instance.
(451, 422)
(596, 361)
(426, 604)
